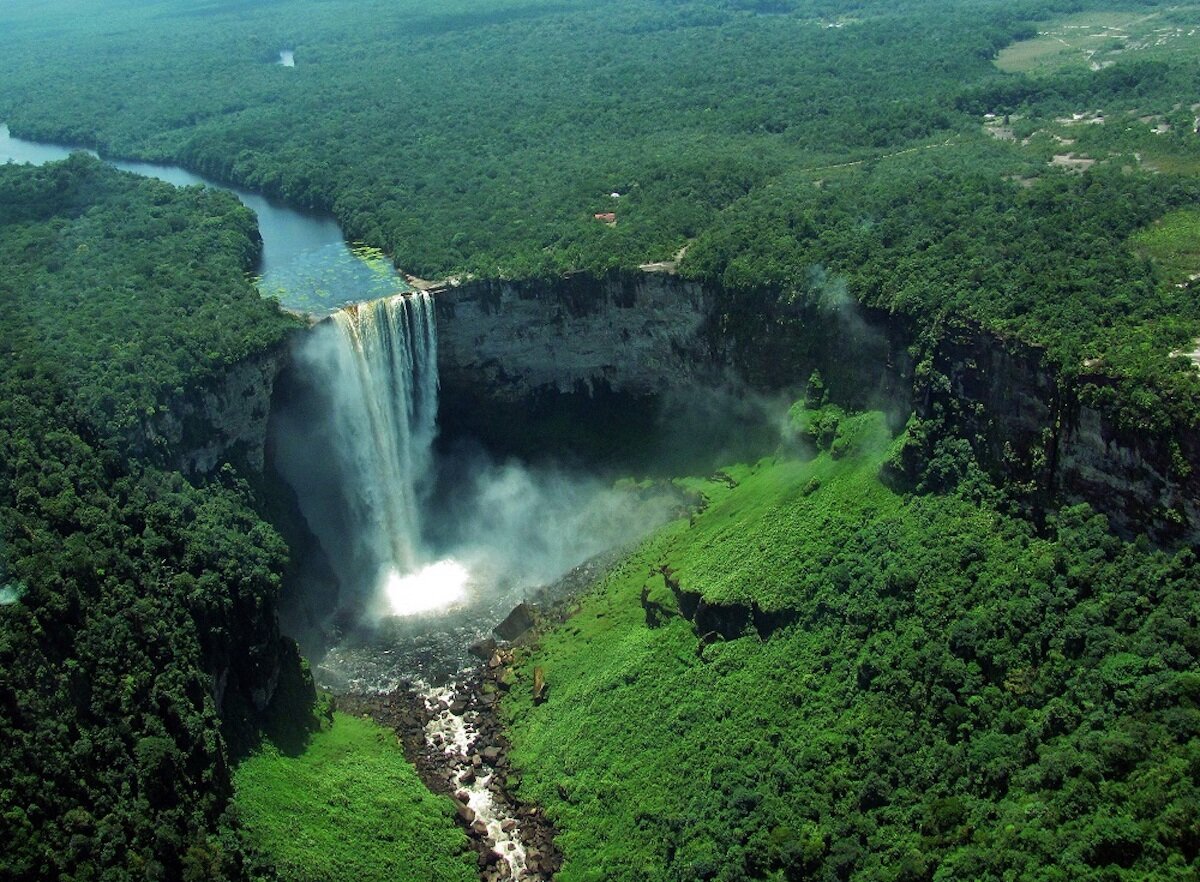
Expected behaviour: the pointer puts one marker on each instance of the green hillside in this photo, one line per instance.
(126, 588)
(955, 696)
(349, 809)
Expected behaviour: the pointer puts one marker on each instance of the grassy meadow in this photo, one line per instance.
(349, 809)
(956, 698)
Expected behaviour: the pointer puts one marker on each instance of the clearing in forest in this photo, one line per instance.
(1173, 242)
(1099, 39)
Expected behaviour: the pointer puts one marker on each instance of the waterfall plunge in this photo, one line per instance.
(361, 468)
(385, 408)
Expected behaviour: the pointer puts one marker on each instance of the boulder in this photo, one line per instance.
(540, 686)
(516, 623)
(482, 649)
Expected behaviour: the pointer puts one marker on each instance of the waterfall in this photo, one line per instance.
(385, 418)
(355, 443)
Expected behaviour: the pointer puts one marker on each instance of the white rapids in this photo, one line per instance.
(455, 736)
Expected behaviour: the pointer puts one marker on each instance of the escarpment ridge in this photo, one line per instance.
(519, 359)
(508, 348)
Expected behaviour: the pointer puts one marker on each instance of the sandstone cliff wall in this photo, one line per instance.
(595, 352)
(638, 335)
(1030, 426)
(1143, 482)
(222, 418)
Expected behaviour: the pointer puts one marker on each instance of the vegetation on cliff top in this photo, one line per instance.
(1056, 260)
(774, 137)
(119, 292)
(952, 696)
(131, 593)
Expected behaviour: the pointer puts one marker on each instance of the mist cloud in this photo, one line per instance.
(524, 526)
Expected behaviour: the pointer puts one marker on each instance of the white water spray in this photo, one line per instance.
(353, 438)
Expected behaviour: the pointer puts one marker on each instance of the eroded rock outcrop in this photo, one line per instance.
(1030, 426)
(1144, 482)
(221, 418)
(633, 333)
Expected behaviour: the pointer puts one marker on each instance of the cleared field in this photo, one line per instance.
(1171, 163)
(1173, 242)
(1097, 39)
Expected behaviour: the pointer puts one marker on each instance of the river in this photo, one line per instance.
(306, 262)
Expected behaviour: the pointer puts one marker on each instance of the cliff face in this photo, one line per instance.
(221, 419)
(564, 350)
(224, 419)
(570, 367)
(636, 334)
(1029, 426)
(1144, 483)
(1001, 397)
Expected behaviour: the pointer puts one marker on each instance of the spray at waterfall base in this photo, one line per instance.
(415, 556)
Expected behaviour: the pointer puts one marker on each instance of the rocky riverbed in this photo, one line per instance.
(453, 736)
(446, 716)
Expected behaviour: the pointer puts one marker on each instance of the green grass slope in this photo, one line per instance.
(349, 809)
(958, 697)
(793, 503)
(1173, 242)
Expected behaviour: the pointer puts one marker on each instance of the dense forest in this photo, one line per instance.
(130, 592)
(845, 663)
(483, 139)
(768, 138)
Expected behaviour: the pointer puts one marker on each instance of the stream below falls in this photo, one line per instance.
(441, 700)
(453, 736)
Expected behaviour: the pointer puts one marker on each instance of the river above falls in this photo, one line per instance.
(306, 262)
